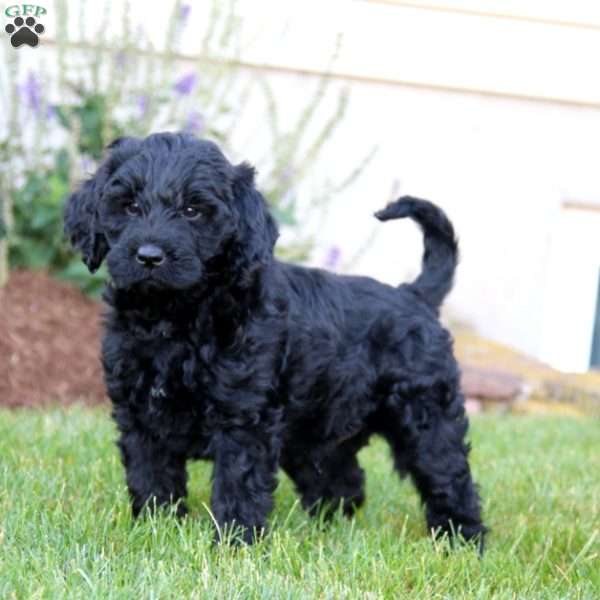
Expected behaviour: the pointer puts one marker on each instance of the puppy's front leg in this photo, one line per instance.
(155, 476)
(244, 479)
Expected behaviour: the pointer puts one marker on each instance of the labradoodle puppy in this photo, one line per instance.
(214, 349)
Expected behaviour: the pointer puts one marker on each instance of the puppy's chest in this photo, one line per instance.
(177, 373)
(160, 370)
(178, 381)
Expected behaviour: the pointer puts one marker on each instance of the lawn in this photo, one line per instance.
(66, 532)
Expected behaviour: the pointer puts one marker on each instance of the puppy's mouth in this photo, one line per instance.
(149, 284)
(152, 281)
(173, 274)
(144, 281)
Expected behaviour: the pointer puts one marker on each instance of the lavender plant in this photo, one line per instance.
(59, 124)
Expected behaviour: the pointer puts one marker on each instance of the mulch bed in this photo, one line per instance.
(50, 348)
(49, 343)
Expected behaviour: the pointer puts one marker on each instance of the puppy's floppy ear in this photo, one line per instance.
(257, 230)
(82, 225)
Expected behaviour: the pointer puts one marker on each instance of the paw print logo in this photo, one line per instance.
(24, 31)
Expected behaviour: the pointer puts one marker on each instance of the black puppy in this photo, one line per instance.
(214, 349)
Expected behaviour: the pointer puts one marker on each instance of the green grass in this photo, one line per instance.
(66, 532)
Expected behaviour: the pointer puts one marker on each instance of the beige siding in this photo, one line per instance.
(412, 43)
(582, 13)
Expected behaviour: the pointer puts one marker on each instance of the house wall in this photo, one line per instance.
(493, 114)
(572, 287)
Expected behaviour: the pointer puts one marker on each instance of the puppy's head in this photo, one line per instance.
(169, 212)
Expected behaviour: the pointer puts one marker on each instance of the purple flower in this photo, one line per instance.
(120, 59)
(287, 173)
(332, 257)
(31, 92)
(51, 111)
(195, 122)
(142, 105)
(87, 165)
(186, 84)
(184, 12)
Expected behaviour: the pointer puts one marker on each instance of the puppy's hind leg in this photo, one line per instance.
(426, 430)
(329, 481)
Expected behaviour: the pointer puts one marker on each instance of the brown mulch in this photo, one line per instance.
(50, 346)
(49, 343)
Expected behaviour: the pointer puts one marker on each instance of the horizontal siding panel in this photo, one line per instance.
(442, 49)
(584, 13)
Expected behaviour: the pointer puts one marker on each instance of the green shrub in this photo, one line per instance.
(37, 240)
(124, 86)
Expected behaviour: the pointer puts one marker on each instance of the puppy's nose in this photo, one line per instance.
(150, 255)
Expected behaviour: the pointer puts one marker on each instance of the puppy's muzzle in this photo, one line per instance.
(150, 255)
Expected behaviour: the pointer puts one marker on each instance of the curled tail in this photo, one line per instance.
(441, 247)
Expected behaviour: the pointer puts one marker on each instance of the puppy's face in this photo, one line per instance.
(168, 211)
(166, 214)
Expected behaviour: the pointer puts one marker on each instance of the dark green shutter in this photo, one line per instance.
(595, 357)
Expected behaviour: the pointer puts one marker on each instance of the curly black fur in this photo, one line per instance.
(217, 350)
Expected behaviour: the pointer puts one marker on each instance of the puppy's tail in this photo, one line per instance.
(441, 247)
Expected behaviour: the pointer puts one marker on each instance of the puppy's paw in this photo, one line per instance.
(151, 507)
(471, 535)
(237, 536)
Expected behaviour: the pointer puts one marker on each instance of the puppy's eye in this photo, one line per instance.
(133, 209)
(191, 212)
